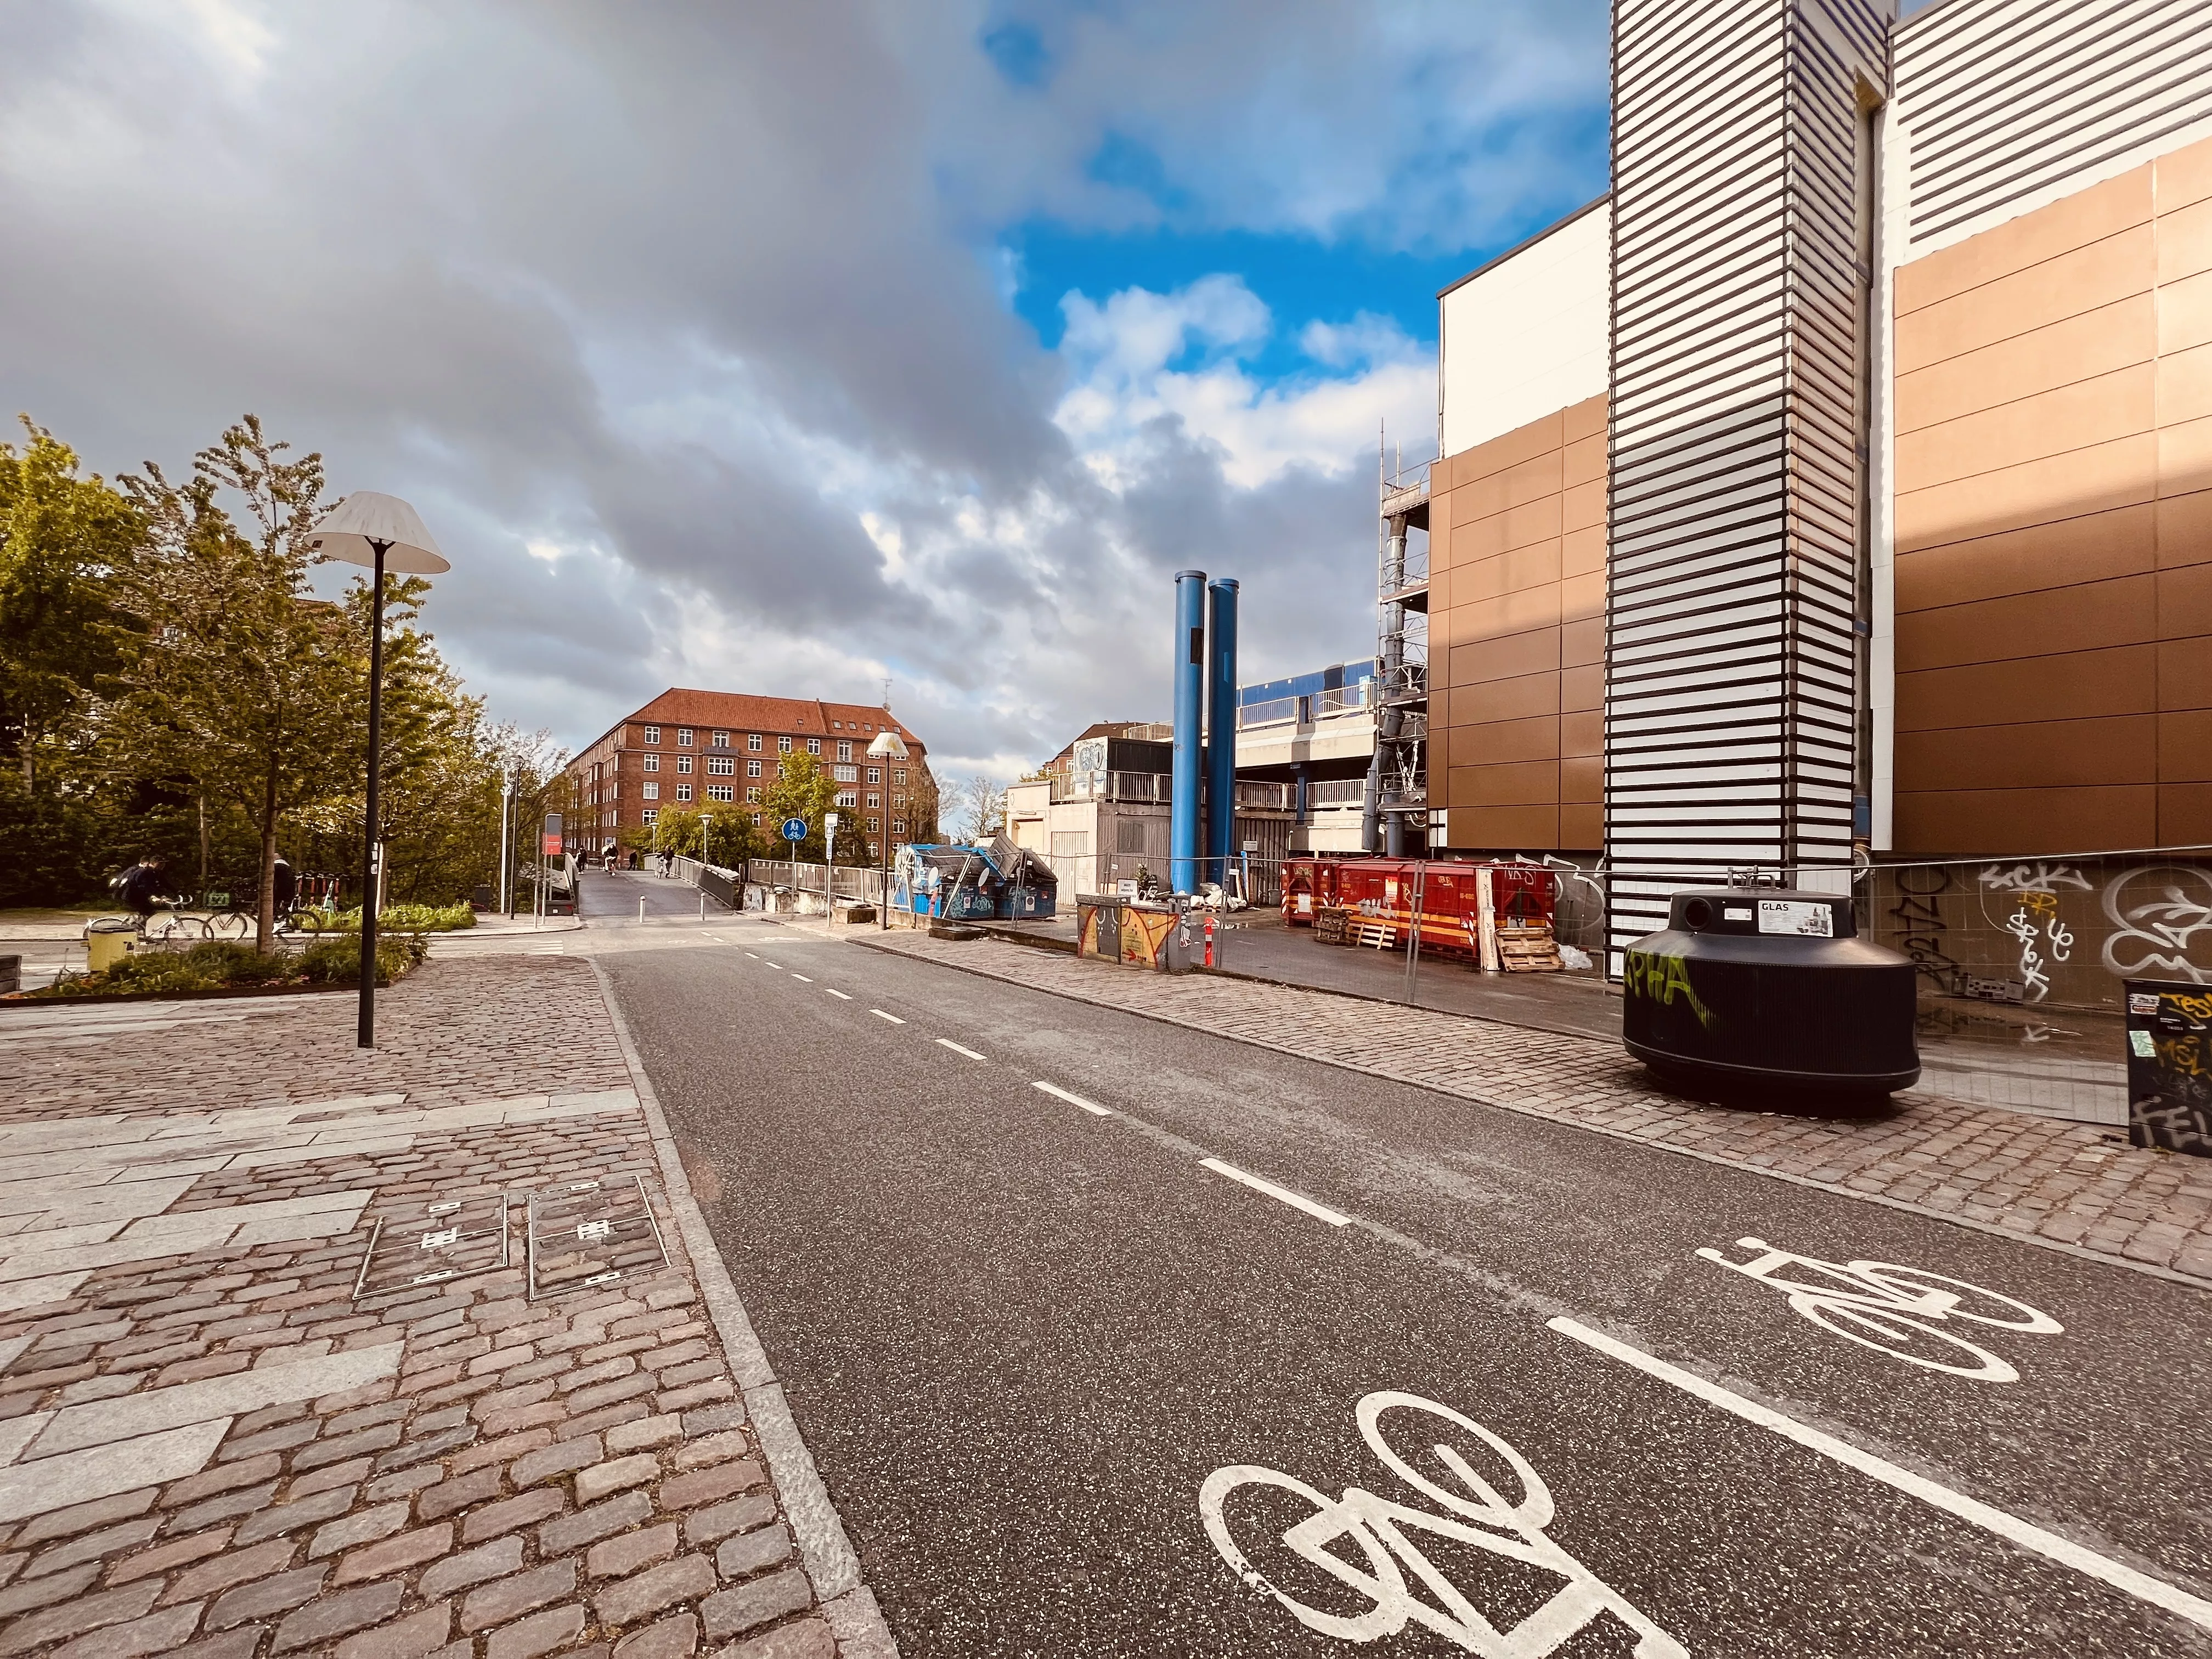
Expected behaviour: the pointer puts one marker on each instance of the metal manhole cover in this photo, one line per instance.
(591, 1232)
(451, 1239)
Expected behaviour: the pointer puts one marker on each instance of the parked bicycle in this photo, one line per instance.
(1896, 1310)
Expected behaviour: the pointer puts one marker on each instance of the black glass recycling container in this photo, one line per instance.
(1770, 986)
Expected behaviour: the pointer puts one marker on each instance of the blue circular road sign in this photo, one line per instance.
(794, 828)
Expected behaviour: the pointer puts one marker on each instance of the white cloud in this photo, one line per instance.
(1121, 354)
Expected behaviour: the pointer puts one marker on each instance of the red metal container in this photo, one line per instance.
(1449, 890)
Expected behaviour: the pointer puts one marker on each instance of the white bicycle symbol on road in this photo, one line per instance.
(1478, 1514)
(1895, 1310)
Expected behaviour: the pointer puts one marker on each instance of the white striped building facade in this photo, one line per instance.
(1884, 526)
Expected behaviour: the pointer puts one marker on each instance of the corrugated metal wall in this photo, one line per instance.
(1733, 519)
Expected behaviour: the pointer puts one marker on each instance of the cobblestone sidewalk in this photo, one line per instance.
(2066, 1184)
(210, 1446)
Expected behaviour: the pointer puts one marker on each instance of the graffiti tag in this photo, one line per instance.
(2160, 915)
(2029, 878)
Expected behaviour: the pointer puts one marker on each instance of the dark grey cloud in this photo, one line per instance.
(680, 322)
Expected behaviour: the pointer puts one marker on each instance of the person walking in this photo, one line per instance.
(285, 885)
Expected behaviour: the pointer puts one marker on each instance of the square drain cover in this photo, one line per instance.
(591, 1232)
(449, 1239)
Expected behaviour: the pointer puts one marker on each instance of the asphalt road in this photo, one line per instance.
(1023, 1339)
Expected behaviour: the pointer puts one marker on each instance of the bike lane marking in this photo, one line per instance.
(1296, 1200)
(2141, 1585)
(947, 1043)
(1074, 1100)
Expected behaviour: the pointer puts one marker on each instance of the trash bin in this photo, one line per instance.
(1766, 984)
(2169, 1050)
(106, 942)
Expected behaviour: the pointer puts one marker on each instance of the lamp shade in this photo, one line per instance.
(366, 516)
(888, 746)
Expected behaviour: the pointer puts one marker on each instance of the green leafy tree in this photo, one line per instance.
(64, 541)
(803, 789)
(246, 687)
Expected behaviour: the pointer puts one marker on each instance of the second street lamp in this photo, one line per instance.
(888, 746)
(383, 533)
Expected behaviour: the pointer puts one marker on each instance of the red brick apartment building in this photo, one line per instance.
(710, 749)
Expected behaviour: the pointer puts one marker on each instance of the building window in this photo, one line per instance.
(652, 762)
(721, 740)
(814, 746)
(650, 814)
(720, 791)
(652, 792)
(848, 798)
(898, 776)
(847, 774)
(844, 751)
(874, 824)
(898, 826)
(752, 768)
(652, 735)
(874, 799)
(751, 795)
(783, 745)
(721, 766)
(684, 738)
(752, 740)
(684, 762)
(757, 820)
(875, 774)
(684, 792)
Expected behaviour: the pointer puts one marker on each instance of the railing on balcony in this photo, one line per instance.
(1157, 788)
(1305, 710)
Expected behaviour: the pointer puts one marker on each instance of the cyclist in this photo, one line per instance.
(144, 887)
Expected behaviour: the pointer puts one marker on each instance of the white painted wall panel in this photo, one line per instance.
(1526, 337)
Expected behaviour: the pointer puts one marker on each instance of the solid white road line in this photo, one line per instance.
(1073, 1100)
(2142, 1585)
(880, 1014)
(947, 1043)
(1297, 1201)
(841, 995)
(802, 979)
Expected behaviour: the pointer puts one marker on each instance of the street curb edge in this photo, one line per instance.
(832, 1565)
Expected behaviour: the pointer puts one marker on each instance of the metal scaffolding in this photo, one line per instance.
(1397, 819)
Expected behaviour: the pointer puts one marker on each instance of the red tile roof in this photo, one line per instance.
(739, 711)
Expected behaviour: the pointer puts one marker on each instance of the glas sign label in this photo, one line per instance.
(1803, 917)
(794, 828)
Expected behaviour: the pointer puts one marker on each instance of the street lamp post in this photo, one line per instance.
(384, 533)
(888, 746)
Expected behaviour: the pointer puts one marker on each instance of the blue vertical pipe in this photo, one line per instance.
(1184, 850)
(1221, 734)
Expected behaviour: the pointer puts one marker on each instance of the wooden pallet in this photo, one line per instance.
(1371, 934)
(1527, 948)
(1329, 925)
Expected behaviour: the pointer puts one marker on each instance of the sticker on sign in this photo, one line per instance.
(1805, 917)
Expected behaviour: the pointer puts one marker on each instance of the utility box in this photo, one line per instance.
(1773, 985)
(2169, 1056)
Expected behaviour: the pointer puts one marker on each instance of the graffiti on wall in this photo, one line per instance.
(2028, 931)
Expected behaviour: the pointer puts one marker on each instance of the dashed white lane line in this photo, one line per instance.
(2142, 1585)
(755, 954)
(880, 1014)
(1074, 1100)
(802, 979)
(1296, 1200)
(947, 1043)
(765, 963)
(841, 995)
